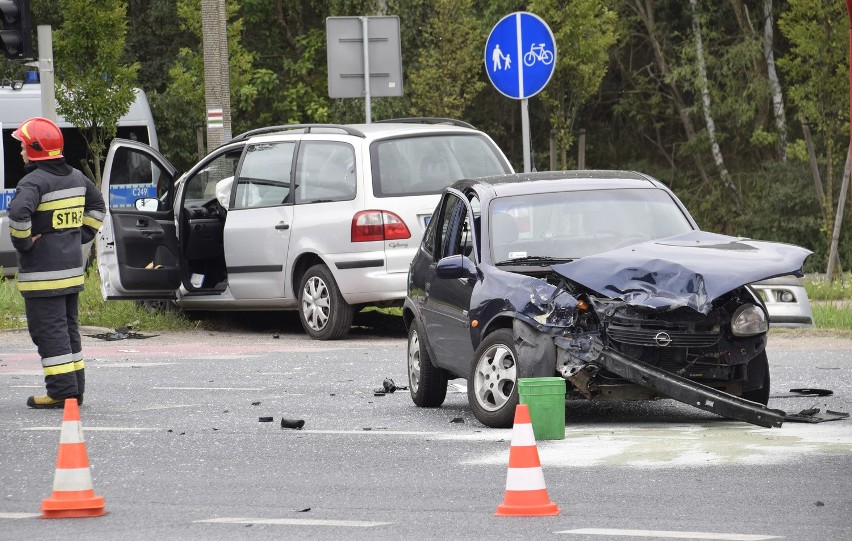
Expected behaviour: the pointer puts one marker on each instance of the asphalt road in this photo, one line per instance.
(177, 450)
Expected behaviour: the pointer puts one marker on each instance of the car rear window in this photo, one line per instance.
(427, 164)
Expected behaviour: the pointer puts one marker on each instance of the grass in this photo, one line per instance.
(94, 311)
(820, 290)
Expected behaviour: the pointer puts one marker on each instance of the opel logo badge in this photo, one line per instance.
(663, 339)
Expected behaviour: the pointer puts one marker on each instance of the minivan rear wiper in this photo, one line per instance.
(535, 260)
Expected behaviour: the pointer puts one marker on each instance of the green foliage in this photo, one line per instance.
(446, 78)
(585, 32)
(820, 290)
(817, 69)
(94, 87)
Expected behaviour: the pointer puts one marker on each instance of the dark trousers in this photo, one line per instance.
(52, 322)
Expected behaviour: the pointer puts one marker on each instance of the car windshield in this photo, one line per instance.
(563, 226)
(428, 164)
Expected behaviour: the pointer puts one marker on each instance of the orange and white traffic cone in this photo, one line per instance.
(526, 495)
(73, 494)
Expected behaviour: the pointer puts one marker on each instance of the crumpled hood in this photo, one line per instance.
(692, 269)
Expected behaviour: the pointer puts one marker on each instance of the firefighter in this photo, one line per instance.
(55, 210)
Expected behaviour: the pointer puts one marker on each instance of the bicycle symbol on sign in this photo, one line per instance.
(536, 53)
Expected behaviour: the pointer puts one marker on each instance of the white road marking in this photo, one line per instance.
(158, 408)
(22, 373)
(672, 535)
(208, 388)
(297, 522)
(27, 386)
(99, 428)
(18, 515)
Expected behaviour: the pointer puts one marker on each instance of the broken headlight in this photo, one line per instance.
(749, 320)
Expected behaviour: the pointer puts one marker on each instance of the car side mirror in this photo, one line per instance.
(455, 266)
(148, 204)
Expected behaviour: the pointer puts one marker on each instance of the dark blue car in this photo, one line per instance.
(600, 277)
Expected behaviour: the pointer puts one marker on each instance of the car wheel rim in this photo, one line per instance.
(496, 374)
(315, 303)
(414, 361)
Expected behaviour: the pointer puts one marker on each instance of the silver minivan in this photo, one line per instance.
(319, 218)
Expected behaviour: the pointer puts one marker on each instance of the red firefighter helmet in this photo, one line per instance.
(42, 138)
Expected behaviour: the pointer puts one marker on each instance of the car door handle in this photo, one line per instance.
(151, 233)
(282, 225)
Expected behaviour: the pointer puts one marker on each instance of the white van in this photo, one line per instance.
(17, 105)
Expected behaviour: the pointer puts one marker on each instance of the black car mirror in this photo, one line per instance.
(455, 266)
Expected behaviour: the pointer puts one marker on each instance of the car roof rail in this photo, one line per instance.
(430, 120)
(306, 128)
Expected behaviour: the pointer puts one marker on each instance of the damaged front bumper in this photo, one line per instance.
(579, 359)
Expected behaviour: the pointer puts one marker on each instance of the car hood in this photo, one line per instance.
(691, 270)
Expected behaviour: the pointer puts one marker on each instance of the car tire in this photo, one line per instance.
(492, 385)
(158, 306)
(756, 365)
(426, 382)
(325, 315)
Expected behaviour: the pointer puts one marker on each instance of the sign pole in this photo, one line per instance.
(525, 133)
(365, 23)
(520, 57)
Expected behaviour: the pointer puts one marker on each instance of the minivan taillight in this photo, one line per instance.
(370, 225)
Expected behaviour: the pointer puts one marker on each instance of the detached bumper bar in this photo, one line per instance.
(689, 392)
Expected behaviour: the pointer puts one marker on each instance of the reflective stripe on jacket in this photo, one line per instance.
(67, 211)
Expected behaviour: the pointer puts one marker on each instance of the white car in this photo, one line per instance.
(786, 302)
(319, 218)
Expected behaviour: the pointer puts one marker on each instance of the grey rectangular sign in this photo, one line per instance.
(345, 45)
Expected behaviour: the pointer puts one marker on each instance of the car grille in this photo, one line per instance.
(683, 329)
(649, 337)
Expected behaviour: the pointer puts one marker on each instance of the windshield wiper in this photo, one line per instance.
(535, 259)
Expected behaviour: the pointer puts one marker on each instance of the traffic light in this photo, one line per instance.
(17, 34)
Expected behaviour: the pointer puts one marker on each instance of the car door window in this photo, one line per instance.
(201, 186)
(456, 228)
(135, 176)
(325, 172)
(264, 178)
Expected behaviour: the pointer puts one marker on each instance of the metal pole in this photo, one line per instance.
(45, 70)
(838, 219)
(525, 133)
(581, 150)
(365, 22)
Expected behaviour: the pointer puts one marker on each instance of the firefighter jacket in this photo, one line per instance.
(59, 203)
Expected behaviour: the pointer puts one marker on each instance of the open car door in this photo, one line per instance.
(137, 246)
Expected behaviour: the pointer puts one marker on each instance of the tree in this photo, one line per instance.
(817, 70)
(584, 31)
(706, 102)
(94, 87)
(446, 78)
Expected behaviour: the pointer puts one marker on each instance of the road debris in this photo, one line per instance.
(295, 424)
(799, 393)
(814, 415)
(265, 419)
(121, 333)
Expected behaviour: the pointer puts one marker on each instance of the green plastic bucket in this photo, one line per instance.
(546, 400)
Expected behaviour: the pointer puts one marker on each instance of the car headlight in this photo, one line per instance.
(749, 320)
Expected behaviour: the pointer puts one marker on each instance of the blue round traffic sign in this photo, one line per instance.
(520, 55)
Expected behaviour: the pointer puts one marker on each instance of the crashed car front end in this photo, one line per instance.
(664, 319)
